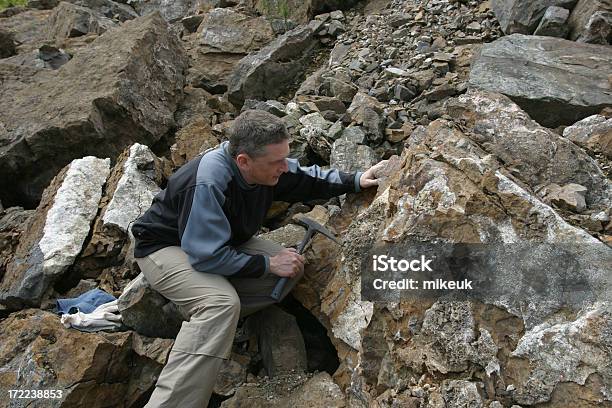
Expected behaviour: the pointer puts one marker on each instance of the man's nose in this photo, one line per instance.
(285, 166)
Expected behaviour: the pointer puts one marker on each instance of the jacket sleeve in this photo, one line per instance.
(308, 183)
(206, 234)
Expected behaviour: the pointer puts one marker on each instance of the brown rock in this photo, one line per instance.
(192, 140)
(101, 101)
(223, 38)
(28, 27)
(88, 368)
(582, 15)
(69, 20)
(569, 196)
(231, 376)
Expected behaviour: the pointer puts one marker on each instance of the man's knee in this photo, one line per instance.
(226, 304)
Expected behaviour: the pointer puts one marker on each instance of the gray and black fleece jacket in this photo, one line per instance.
(208, 209)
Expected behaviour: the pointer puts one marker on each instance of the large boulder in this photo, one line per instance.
(223, 38)
(556, 81)
(583, 20)
(123, 88)
(453, 185)
(523, 16)
(267, 74)
(55, 234)
(535, 155)
(38, 353)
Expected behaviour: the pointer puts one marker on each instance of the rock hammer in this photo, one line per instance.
(313, 228)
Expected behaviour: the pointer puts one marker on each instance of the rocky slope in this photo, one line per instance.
(496, 120)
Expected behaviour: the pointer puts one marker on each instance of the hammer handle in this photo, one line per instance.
(280, 285)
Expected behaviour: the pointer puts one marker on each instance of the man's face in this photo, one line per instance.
(266, 169)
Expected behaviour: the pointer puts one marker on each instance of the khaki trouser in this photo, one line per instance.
(214, 304)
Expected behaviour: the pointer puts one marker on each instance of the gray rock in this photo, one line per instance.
(335, 28)
(335, 130)
(295, 390)
(461, 393)
(593, 133)
(227, 31)
(123, 88)
(7, 44)
(403, 93)
(397, 20)
(55, 238)
(317, 140)
(274, 107)
(566, 350)
(348, 156)
(373, 125)
(527, 148)
(345, 91)
(337, 15)
(69, 20)
(553, 24)
(583, 13)
(355, 134)
(46, 56)
(280, 341)
(315, 120)
(523, 16)
(552, 89)
(267, 73)
(338, 53)
(171, 11)
(108, 8)
(139, 302)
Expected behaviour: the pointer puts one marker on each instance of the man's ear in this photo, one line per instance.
(242, 160)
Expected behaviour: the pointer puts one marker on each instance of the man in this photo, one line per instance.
(195, 245)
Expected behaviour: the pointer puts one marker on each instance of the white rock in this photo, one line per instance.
(135, 189)
(69, 219)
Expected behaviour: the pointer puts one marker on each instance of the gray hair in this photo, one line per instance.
(253, 130)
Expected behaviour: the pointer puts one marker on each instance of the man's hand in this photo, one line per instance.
(287, 263)
(370, 178)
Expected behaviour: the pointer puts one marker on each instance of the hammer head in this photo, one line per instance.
(314, 227)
